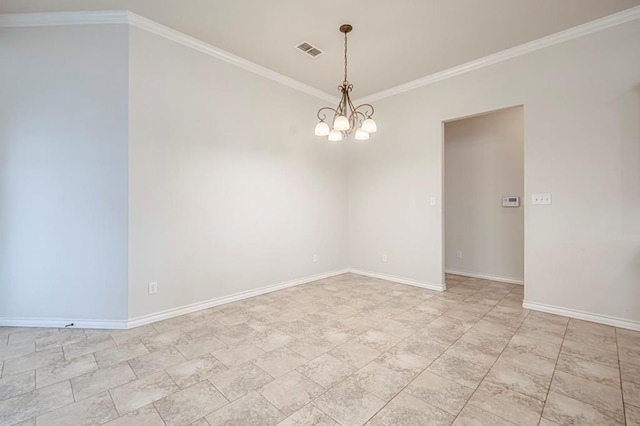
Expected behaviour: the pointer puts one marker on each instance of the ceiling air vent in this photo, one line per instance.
(309, 49)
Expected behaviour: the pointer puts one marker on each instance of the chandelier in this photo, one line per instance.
(346, 116)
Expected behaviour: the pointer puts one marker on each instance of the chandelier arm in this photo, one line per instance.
(367, 115)
(324, 116)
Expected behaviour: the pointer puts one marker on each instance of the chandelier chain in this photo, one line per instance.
(345, 57)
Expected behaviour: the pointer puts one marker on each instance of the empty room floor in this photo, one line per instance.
(347, 350)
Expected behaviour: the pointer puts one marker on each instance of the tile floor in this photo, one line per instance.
(348, 350)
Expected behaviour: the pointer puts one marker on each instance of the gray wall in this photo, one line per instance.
(63, 172)
(582, 144)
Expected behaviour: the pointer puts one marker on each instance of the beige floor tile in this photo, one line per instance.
(240, 380)
(631, 356)
(32, 404)
(379, 380)
(378, 340)
(98, 381)
(280, 361)
(403, 361)
(163, 340)
(539, 333)
(326, 370)
(145, 416)
(308, 416)
(88, 346)
(633, 415)
(15, 351)
(590, 353)
(190, 372)
(349, 404)
(474, 416)
(472, 353)
(630, 372)
(18, 384)
(91, 411)
(426, 348)
(30, 334)
(408, 410)
(440, 392)
(197, 348)
(311, 346)
(593, 393)
(190, 404)
(490, 344)
(528, 361)
(239, 354)
(137, 333)
(513, 406)
(32, 361)
(138, 393)
(443, 330)
(519, 380)
(588, 370)
(117, 354)
(271, 340)
(173, 324)
(355, 353)
(291, 392)
(156, 361)
(606, 342)
(568, 411)
(65, 370)
(534, 346)
(631, 392)
(62, 338)
(459, 370)
(252, 409)
(395, 328)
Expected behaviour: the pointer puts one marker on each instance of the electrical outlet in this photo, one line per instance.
(384, 257)
(541, 199)
(315, 258)
(153, 287)
(433, 201)
(459, 254)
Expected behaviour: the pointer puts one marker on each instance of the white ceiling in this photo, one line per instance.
(393, 42)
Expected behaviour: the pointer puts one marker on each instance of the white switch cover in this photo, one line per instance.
(541, 199)
(384, 257)
(459, 254)
(315, 258)
(433, 201)
(153, 287)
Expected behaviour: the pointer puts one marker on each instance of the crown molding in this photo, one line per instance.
(550, 40)
(134, 20)
(130, 18)
(45, 19)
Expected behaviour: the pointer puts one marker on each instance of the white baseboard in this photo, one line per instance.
(63, 323)
(158, 316)
(486, 277)
(401, 280)
(174, 312)
(587, 316)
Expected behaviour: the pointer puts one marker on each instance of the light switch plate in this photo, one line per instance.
(541, 199)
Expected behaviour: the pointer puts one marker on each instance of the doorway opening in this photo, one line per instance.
(483, 196)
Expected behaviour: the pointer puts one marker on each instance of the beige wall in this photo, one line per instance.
(582, 144)
(229, 190)
(484, 161)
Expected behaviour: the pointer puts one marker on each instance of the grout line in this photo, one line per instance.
(624, 408)
(555, 366)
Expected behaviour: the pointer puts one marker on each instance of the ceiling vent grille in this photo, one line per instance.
(309, 49)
